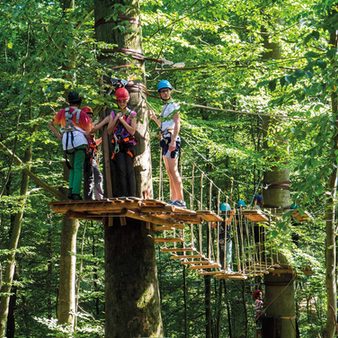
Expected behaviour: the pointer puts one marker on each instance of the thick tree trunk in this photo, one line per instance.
(207, 306)
(131, 294)
(132, 303)
(280, 318)
(67, 279)
(10, 262)
(331, 221)
(66, 300)
(185, 298)
(280, 311)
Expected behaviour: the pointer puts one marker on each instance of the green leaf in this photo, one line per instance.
(272, 84)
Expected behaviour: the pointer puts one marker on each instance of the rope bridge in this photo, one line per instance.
(236, 247)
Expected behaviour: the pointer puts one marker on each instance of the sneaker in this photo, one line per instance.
(179, 203)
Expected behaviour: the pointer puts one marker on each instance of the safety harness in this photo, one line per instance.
(92, 148)
(70, 127)
(68, 130)
(122, 140)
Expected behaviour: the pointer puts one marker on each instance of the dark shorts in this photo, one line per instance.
(164, 143)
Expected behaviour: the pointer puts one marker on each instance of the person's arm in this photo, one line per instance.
(99, 125)
(153, 116)
(55, 131)
(130, 128)
(177, 127)
(112, 123)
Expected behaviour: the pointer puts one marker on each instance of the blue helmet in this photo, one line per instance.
(164, 84)
(224, 207)
(241, 203)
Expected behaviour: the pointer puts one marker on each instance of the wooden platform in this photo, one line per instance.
(147, 210)
(255, 215)
(301, 217)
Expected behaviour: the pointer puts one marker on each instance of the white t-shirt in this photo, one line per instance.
(167, 114)
(78, 139)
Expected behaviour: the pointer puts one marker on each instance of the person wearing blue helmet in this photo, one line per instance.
(241, 203)
(169, 124)
(224, 207)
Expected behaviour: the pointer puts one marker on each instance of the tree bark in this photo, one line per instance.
(207, 306)
(185, 296)
(330, 244)
(280, 306)
(132, 301)
(131, 293)
(10, 262)
(66, 300)
(66, 307)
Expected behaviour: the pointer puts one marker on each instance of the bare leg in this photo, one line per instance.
(171, 185)
(175, 180)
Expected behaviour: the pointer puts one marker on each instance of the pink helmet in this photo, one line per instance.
(122, 94)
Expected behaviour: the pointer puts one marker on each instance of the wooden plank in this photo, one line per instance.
(255, 215)
(180, 217)
(230, 276)
(177, 249)
(185, 256)
(151, 219)
(301, 217)
(209, 216)
(208, 273)
(77, 215)
(168, 240)
(166, 227)
(202, 266)
(195, 262)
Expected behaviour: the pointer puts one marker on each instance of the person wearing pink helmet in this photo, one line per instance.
(122, 127)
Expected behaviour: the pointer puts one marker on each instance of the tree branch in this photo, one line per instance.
(53, 191)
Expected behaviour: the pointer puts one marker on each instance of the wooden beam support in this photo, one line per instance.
(205, 266)
(230, 276)
(186, 256)
(177, 249)
(195, 262)
(166, 227)
(168, 240)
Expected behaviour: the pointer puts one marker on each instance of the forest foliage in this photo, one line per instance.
(212, 51)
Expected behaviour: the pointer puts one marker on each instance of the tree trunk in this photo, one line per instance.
(132, 302)
(280, 311)
(131, 294)
(185, 296)
(330, 244)
(67, 281)
(280, 318)
(66, 300)
(207, 306)
(10, 331)
(10, 262)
